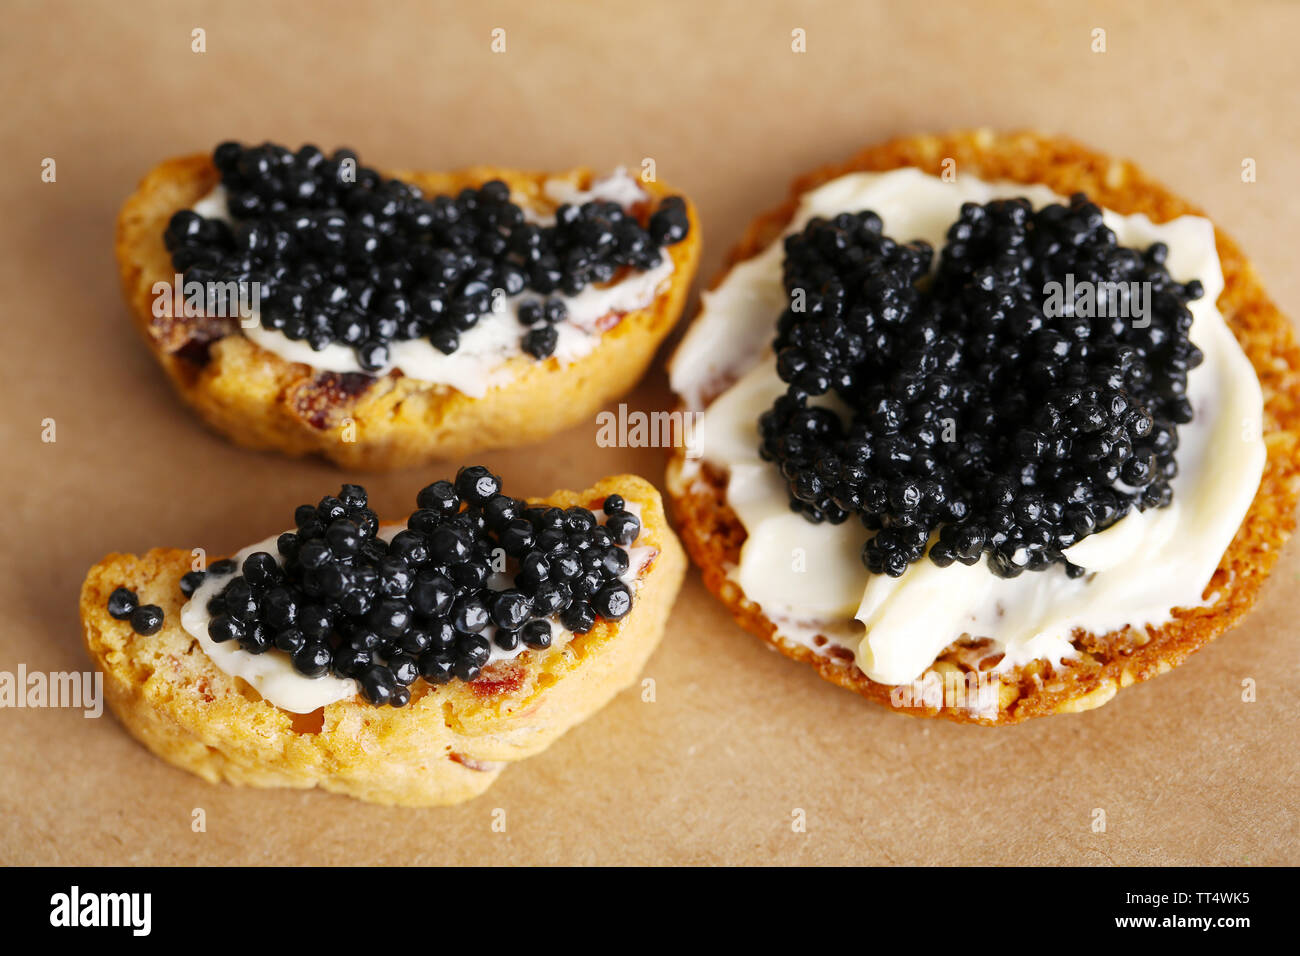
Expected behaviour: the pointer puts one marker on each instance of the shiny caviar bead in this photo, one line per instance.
(122, 603)
(147, 619)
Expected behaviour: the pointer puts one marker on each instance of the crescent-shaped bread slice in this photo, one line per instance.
(447, 745)
(259, 400)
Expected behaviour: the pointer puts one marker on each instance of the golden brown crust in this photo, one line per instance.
(713, 535)
(259, 400)
(446, 746)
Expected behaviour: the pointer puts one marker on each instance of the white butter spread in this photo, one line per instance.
(618, 187)
(482, 360)
(809, 578)
(272, 674)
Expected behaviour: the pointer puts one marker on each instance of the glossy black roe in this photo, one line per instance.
(122, 603)
(147, 619)
(434, 601)
(977, 404)
(344, 256)
(190, 582)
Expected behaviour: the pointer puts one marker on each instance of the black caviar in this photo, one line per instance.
(124, 605)
(978, 405)
(473, 568)
(345, 256)
(191, 581)
(147, 619)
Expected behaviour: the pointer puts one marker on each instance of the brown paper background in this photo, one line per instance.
(739, 737)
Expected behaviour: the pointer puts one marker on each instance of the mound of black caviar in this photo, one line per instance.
(432, 601)
(342, 255)
(981, 402)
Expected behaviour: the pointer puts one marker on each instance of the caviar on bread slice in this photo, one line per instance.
(1068, 422)
(306, 303)
(1066, 427)
(431, 652)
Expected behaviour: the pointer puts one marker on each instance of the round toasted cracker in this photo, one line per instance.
(713, 534)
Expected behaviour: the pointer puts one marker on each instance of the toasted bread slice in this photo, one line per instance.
(447, 745)
(259, 400)
(713, 534)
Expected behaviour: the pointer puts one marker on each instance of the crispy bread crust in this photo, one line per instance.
(259, 400)
(713, 535)
(446, 746)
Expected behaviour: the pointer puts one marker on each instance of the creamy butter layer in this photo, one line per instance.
(809, 578)
(480, 363)
(272, 673)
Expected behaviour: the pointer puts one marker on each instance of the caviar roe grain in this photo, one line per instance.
(122, 603)
(974, 412)
(147, 619)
